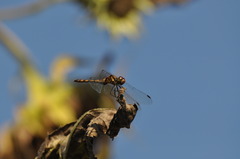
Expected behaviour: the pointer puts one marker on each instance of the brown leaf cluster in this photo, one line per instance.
(75, 140)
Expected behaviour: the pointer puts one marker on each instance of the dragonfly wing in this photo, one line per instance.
(99, 87)
(104, 74)
(130, 100)
(136, 95)
(96, 86)
(109, 89)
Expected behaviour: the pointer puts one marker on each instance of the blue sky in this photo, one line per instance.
(187, 59)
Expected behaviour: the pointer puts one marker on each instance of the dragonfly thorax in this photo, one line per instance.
(114, 80)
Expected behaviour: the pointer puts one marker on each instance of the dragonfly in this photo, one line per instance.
(106, 82)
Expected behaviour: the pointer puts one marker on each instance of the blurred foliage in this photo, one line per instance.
(122, 17)
(51, 102)
(118, 17)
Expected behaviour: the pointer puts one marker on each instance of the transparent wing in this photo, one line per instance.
(104, 74)
(100, 88)
(96, 86)
(134, 95)
(108, 89)
(130, 100)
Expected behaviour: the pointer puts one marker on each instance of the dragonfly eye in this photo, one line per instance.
(121, 80)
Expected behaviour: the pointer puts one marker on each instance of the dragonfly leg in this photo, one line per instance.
(112, 92)
(116, 92)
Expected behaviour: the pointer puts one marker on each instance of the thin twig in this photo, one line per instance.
(26, 9)
(15, 46)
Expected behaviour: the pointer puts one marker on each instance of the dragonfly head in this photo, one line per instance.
(121, 80)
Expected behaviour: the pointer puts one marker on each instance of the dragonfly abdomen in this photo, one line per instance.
(88, 81)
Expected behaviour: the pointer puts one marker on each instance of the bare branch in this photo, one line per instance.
(27, 9)
(15, 46)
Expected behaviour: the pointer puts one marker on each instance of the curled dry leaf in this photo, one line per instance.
(75, 140)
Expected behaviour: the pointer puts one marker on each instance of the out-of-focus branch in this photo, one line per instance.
(16, 48)
(26, 9)
(21, 53)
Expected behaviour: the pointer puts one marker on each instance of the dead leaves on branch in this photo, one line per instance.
(75, 140)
